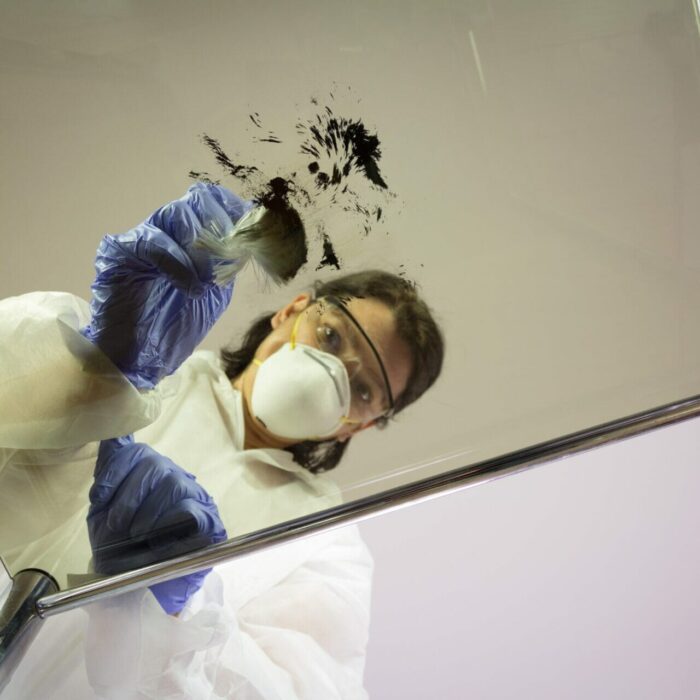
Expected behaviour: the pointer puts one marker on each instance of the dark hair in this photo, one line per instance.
(414, 324)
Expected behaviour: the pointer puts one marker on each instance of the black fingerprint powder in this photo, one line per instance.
(341, 154)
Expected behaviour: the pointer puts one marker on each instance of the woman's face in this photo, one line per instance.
(313, 328)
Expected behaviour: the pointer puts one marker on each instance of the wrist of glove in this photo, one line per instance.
(144, 509)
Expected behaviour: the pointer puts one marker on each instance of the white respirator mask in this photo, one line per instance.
(301, 393)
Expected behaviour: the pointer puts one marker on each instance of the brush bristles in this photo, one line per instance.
(274, 239)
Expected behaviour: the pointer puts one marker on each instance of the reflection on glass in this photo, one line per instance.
(290, 622)
(210, 446)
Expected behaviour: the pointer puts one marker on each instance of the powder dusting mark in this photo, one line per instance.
(241, 172)
(329, 259)
(347, 143)
(203, 177)
(270, 138)
(344, 157)
(277, 192)
(281, 192)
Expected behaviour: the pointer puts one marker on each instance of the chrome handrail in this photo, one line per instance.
(19, 623)
(364, 508)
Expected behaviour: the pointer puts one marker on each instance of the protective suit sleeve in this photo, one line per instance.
(57, 390)
(154, 297)
(144, 509)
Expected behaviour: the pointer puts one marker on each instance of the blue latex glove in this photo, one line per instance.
(154, 297)
(143, 509)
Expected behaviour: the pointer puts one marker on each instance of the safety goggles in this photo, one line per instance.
(338, 333)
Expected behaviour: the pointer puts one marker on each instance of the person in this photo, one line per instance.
(255, 429)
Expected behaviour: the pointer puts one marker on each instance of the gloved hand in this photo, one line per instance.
(143, 509)
(154, 297)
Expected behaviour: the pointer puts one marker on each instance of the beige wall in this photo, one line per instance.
(545, 156)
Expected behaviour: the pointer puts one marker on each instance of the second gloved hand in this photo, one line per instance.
(143, 509)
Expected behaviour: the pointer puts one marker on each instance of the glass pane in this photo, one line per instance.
(541, 163)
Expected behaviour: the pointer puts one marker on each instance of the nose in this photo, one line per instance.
(335, 370)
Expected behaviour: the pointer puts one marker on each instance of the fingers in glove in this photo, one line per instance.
(145, 472)
(174, 487)
(115, 459)
(174, 594)
(146, 249)
(166, 256)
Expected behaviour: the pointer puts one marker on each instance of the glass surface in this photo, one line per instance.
(541, 163)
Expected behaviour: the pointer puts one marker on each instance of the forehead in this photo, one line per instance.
(378, 321)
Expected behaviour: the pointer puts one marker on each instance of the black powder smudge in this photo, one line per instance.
(275, 194)
(344, 139)
(342, 150)
(203, 177)
(241, 172)
(270, 139)
(311, 150)
(329, 259)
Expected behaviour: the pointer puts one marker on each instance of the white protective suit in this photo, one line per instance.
(291, 622)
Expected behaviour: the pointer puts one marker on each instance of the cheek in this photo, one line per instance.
(274, 341)
(400, 370)
(305, 336)
(247, 384)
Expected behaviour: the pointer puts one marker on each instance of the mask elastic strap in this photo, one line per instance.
(344, 420)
